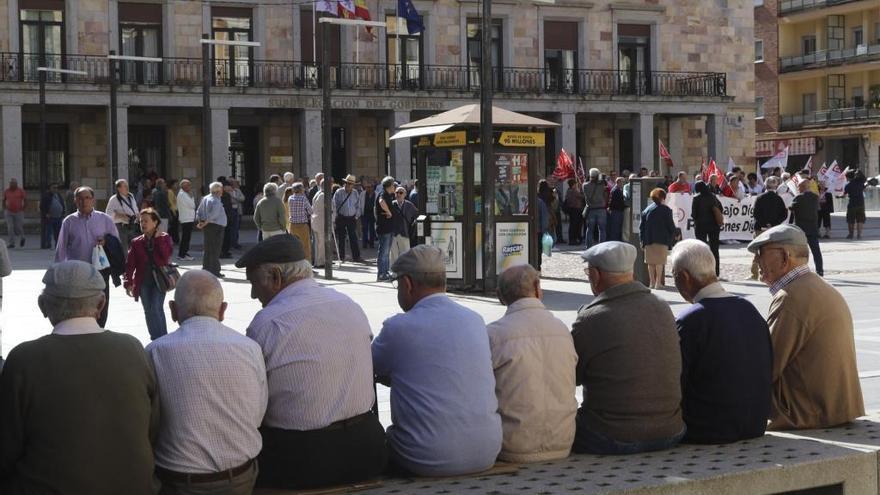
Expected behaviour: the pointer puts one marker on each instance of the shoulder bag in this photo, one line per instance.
(719, 216)
(166, 277)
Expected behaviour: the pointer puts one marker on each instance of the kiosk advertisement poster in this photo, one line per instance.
(738, 216)
(512, 243)
(636, 211)
(447, 236)
(512, 192)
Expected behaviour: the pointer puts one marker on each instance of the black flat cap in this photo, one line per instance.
(283, 248)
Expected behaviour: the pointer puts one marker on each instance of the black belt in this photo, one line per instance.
(168, 475)
(345, 423)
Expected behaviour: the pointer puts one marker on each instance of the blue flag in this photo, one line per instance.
(407, 10)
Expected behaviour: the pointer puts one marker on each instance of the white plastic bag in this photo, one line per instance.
(99, 258)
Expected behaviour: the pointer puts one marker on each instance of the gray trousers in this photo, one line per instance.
(243, 484)
(213, 241)
(14, 225)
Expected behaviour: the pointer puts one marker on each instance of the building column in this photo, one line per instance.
(644, 141)
(716, 134)
(310, 141)
(10, 143)
(220, 143)
(676, 143)
(401, 155)
(122, 143)
(566, 134)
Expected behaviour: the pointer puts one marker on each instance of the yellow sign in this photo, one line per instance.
(456, 138)
(522, 139)
(424, 141)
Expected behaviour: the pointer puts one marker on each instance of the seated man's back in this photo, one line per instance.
(77, 413)
(443, 401)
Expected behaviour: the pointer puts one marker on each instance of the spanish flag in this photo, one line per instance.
(362, 12)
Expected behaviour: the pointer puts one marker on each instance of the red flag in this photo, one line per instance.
(362, 12)
(713, 170)
(564, 167)
(664, 154)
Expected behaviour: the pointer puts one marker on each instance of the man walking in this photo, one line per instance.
(52, 211)
(81, 233)
(300, 214)
(805, 212)
(769, 211)
(13, 210)
(596, 197)
(346, 206)
(211, 217)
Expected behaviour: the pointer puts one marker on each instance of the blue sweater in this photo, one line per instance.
(726, 370)
(657, 226)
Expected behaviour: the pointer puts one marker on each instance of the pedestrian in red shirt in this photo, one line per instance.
(146, 254)
(681, 185)
(13, 206)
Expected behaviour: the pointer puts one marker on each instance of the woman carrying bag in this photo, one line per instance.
(147, 255)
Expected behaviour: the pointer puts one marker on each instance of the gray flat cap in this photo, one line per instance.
(73, 280)
(283, 248)
(420, 259)
(611, 256)
(781, 234)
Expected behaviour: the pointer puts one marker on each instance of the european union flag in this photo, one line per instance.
(407, 10)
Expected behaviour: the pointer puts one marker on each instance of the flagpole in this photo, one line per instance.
(314, 36)
(397, 40)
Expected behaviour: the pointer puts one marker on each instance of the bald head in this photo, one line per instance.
(198, 293)
(518, 282)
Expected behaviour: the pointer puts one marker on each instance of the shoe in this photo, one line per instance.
(826, 236)
(382, 278)
(22, 243)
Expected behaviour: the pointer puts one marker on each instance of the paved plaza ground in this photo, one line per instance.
(851, 266)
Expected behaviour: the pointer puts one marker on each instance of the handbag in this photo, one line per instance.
(165, 277)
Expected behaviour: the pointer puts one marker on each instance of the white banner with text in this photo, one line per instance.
(739, 223)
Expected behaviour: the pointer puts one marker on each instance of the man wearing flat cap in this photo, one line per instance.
(815, 379)
(79, 408)
(437, 360)
(629, 361)
(318, 429)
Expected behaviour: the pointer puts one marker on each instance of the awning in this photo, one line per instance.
(420, 131)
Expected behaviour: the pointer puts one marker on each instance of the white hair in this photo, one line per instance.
(290, 272)
(184, 181)
(517, 282)
(269, 189)
(786, 176)
(594, 172)
(694, 257)
(771, 183)
(288, 175)
(198, 293)
(60, 309)
(215, 186)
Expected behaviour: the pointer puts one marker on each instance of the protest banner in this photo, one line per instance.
(739, 222)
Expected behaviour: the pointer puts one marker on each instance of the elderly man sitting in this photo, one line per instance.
(629, 361)
(211, 408)
(318, 428)
(815, 379)
(436, 359)
(533, 356)
(725, 352)
(78, 407)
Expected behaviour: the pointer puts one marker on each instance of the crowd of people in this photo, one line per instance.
(292, 404)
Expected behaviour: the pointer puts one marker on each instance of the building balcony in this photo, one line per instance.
(288, 75)
(830, 58)
(787, 7)
(825, 118)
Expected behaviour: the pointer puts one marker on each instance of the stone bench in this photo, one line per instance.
(832, 461)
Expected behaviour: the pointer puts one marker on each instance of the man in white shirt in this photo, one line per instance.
(319, 429)
(186, 211)
(212, 406)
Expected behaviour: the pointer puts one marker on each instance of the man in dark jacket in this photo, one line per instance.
(769, 211)
(706, 227)
(805, 214)
(226, 200)
(162, 205)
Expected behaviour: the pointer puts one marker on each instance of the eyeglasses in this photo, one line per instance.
(762, 251)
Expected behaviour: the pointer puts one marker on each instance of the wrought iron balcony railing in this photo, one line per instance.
(821, 118)
(826, 58)
(377, 77)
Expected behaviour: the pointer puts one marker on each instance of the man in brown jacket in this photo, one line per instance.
(815, 379)
(629, 361)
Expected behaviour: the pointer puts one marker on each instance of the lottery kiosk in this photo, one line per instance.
(452, 197)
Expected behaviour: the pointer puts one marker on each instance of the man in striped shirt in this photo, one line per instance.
(318, 429)
(300, 214)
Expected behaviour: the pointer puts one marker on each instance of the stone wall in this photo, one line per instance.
(184, 144)
(767, 72)
(279, 32)
(366, 160)
(91, 25)
(88, 152)
(188, 29)
(282, 140)
(4, 26)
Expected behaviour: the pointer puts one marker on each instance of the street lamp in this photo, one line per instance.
(326, 139)
(207, 76)
(114, 82)
(44, 153)
(486, 149)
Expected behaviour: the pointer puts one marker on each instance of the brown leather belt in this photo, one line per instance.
(168, 475)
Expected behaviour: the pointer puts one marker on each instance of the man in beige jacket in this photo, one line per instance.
(815, 379)
(533, 357)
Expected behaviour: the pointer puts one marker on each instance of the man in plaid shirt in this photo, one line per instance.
(300, 214)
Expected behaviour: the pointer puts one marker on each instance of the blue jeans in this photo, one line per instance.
(383, 260)
(592, 442)
(368, 228)
(615, 225)
(152, 299)
(596, 216)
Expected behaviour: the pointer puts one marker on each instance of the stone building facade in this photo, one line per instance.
(617, 76)
(818, 81)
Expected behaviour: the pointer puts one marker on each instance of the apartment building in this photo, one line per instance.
(817, 73)
(618, 76)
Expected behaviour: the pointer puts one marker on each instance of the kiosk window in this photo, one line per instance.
(512, 183)
(445, 187)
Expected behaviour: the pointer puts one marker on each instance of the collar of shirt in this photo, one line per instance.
(432, 296)
(619, 290)
(291, 290)
(77, 326)
(524, 303)
(198, 322)
(84, 216)
(712, 291)
(788, 278)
